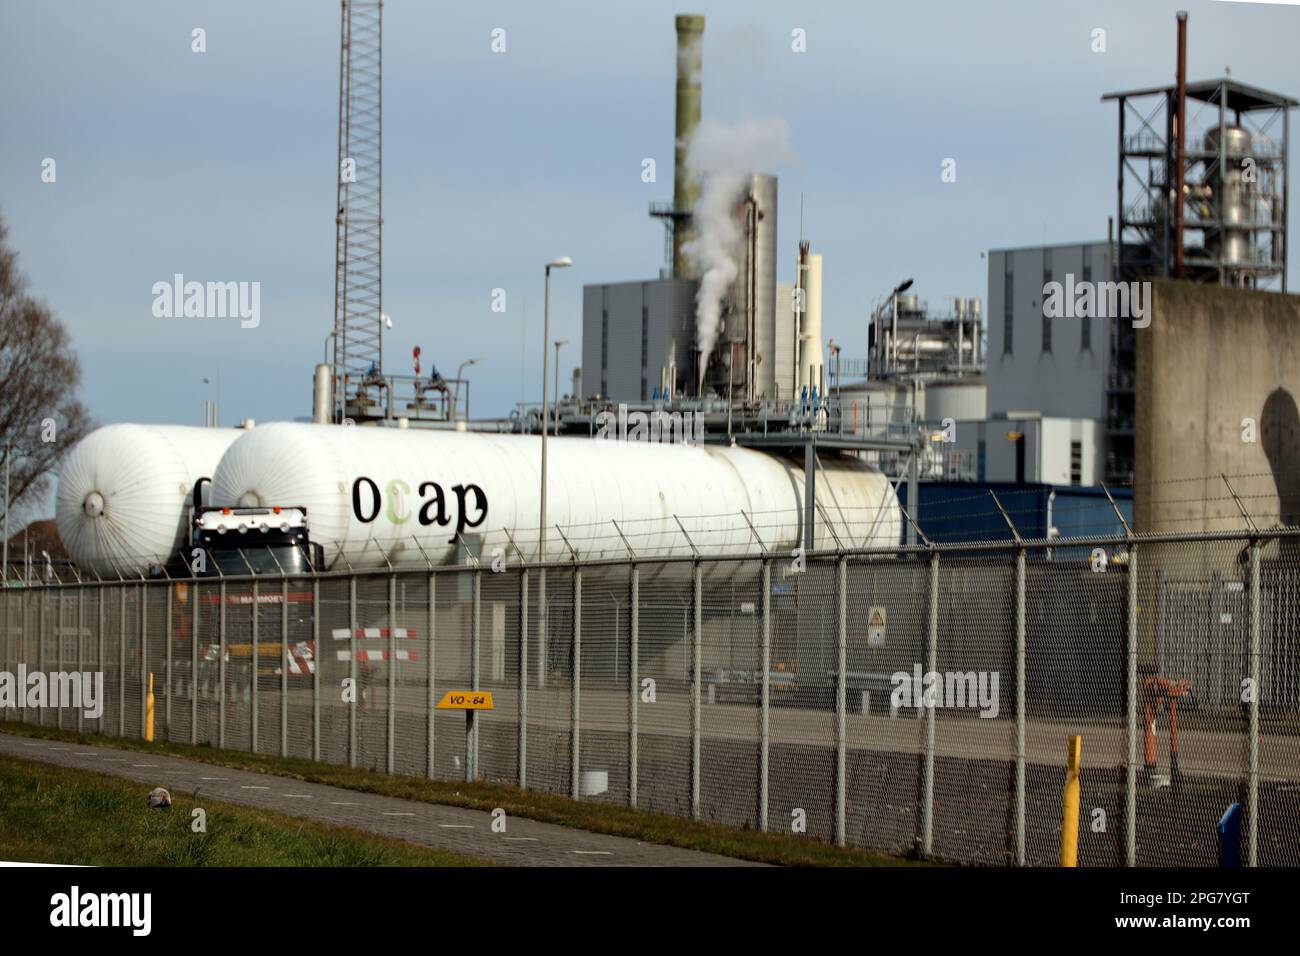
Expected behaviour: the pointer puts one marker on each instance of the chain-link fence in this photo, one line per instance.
(916, 700)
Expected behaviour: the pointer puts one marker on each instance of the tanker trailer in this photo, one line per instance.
(380, 496)
(124, 494)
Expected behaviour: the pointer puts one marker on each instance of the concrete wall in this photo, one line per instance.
(1211, 358)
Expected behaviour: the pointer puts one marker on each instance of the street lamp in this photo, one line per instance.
(892, 300)
(563, 262)
(835, 358)
(216, 409)
(893, 335)
(463, 365)
(556, 402)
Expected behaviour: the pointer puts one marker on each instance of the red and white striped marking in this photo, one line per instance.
(342, 633)
(364, 655)
(302, 658)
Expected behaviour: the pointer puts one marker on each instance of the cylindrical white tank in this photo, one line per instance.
(124, 493)
(377, 494)
(811, 360)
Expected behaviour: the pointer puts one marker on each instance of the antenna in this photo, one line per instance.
(358, 242)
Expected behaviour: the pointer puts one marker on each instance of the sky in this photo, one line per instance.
(221, 165)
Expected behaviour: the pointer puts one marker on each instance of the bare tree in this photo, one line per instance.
(40, 416)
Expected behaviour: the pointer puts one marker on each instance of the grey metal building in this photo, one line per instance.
(636, 337)
(1058, 367)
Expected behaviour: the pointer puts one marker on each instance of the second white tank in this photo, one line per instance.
(377, 495)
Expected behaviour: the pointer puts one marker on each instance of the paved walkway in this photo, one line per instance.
(525, 842)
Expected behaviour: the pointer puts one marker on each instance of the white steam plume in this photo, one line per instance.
(721, 157)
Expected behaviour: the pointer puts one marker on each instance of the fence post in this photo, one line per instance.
(765, 694)
(391, 755)
(81, 656)
(1020, 706)
(696, 657)
(352, 670)
(471, 722)
(523, 677)
(318, 658)
(99, 650)
(634, 685)
(167, 705)
(8, 628)
(1130, 783)
(574, 751)
(221, 666)
(431, 697)
(256, 660)
(40, 643)
(543, 625)
(121, 662)
(1252, 793)
(284, 667)
(58, 646)
(931, 666)
(841, 725)
(194, 658)
(144, 662)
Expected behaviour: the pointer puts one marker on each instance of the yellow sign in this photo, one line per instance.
(466, 700)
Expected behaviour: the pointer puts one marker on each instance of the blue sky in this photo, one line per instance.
(221, 165)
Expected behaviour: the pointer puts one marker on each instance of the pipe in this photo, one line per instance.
(1180, 163)
(323, 406)
(690, 29)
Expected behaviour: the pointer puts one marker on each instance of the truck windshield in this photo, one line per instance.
(268, 559)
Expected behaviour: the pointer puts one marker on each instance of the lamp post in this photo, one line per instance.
(835, 357)
(563, 262)
(463, 365)
(556, 401)
(893, 334)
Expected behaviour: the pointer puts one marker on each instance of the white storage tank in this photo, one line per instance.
(124, 493)
(404, 496)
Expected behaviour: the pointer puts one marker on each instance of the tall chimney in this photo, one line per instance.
(690, 37)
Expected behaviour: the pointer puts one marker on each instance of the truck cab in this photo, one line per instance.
(242, 541)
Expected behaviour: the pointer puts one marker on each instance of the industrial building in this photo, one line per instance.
(636, 336)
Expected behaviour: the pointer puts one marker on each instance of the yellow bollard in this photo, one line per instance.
(1070, 805)
(148, 712)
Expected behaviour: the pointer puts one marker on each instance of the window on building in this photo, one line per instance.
(1085, 322)
(1076, 462)
(979, 465)
(1008, 309)
(1047, 319)
(604, 352)
(645, 346)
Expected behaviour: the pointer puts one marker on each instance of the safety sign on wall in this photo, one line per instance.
(875, 627)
